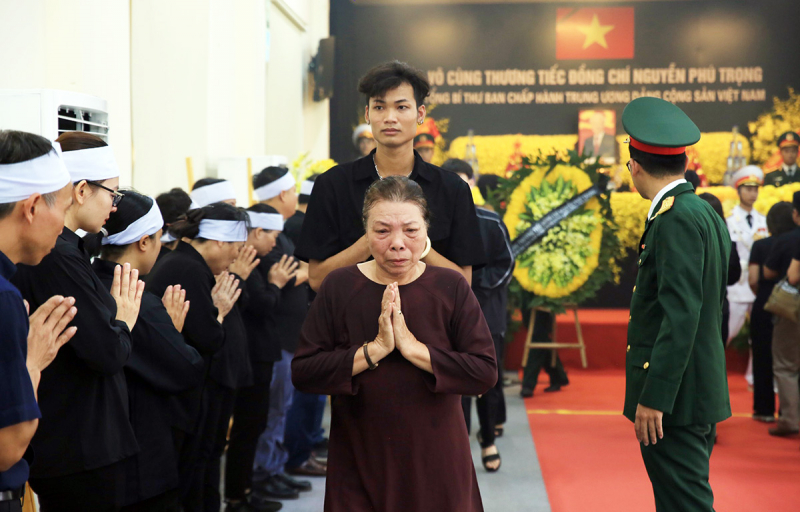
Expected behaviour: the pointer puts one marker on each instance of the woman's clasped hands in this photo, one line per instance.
(392, 329)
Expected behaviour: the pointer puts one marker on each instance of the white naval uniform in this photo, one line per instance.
(740, 296)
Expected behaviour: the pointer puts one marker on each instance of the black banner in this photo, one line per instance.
(528, 68)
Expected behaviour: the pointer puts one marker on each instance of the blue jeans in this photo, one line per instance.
(303, 426)
(271, 454)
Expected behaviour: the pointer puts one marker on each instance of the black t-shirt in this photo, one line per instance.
(333, 219)
(758, 256)
(784, 249)
(293, 226)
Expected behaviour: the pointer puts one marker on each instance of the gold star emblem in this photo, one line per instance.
(595, 33)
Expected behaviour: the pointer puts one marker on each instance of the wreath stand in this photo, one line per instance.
(554, 345)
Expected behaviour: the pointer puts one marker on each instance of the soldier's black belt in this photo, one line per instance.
(554, 217)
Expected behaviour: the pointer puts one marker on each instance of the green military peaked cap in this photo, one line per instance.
(659, 127)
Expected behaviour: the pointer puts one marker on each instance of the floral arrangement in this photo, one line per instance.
(770, 195)
(494, 151)
(303, 167)
(765, 130)
(575, 258)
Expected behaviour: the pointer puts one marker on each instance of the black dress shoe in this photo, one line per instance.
(552, 387)
(526, 392)
(297, 485)
(255, 506)
(272, 487)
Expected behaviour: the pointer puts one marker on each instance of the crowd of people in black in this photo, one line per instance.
(155, 371)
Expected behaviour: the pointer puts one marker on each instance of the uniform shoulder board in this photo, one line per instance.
(666, 204)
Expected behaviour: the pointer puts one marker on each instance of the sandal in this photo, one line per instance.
(491, 458)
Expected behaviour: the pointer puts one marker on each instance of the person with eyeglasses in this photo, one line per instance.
(85, 437)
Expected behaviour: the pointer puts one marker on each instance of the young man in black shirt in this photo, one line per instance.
(333, 232)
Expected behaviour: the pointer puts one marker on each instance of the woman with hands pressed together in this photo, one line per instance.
(161, 363)
(397, 343)
(215, 236)
(82, 444)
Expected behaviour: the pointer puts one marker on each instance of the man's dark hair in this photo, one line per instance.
(304, 198)
(391, 75)
(779, 218)
(173, 204)
(660, 166)
(16, 147)
(458, 166)
(268, 175)
(75, 141)
(487, 183)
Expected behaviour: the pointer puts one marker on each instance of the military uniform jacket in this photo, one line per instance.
(780, 177)
(675, 358)
(744, 235)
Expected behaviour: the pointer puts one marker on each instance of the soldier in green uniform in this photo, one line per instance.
(676, 387)
(788, 173)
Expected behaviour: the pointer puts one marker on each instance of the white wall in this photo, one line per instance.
(183, 78)
(74, 45)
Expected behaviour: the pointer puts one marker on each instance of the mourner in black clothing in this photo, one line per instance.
(161, 363)
(333, 233)
(294, 224)
(35, 192)
(217, 232)
(261, 294)
(779, 221)
(490, 285)
(83, 394)
(734, 266)
(173, 205)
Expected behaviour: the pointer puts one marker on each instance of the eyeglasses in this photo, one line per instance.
(116, 196)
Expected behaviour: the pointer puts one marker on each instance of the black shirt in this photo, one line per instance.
(83, 394)
(258, 299)
(783, 250)
(758, 255)
(161, 364)
(333, 219)
(17, 401)
(294, 226)
(490, 283)
(283, 323)
(186, 267)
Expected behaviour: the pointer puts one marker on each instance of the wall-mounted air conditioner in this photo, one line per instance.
(51, 112)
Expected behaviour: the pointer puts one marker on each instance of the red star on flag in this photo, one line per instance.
(594, 33)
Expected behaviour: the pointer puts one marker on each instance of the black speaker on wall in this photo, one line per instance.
(322, 68)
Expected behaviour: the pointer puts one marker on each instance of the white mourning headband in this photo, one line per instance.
(93, 164)
(214, 193)
(223, 230)
(167, 238)
(271, 190)
(148, 225)
(271, 221)
(306, 188)
(40, 175)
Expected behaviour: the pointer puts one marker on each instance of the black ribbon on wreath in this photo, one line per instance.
(537, 230)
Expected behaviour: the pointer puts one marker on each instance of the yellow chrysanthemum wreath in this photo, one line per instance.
(564, 259)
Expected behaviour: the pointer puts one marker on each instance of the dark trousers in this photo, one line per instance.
(166, 502)
(539, 359)
(100, 490)
(303, 426)
(491, 404)
(249, 421)
(763, 386)
(678, 468)
(203, 492)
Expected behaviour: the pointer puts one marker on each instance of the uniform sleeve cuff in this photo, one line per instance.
(659, 394)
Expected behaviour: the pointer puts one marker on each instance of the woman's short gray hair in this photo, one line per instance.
(397, 189)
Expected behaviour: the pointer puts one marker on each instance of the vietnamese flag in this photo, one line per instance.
(594, 33)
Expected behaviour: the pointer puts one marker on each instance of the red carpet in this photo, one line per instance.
(605, 333)
(590, 459)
